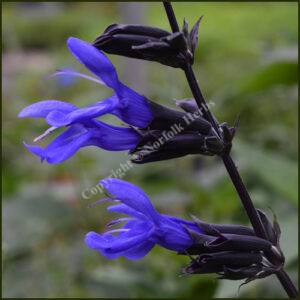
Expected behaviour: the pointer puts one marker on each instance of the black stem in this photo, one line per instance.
(236, 179)
(199, 97)
(171, 16)
(244, 196)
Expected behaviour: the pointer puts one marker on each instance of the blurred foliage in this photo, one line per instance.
(246, 64)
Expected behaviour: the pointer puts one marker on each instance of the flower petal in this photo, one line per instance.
(90, 133)
(189, 224)
(95, 61)
(134, 108)
(96, 241)
(112, 138)
(37, 150)
(64, 146)
(42, 108)
(132, 196)
(113, 246)
(139, 251)
(172, 235)
(125, 209)
(59, 118)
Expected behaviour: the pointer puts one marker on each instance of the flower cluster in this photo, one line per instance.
(145, 228)
(83, 127)
(232, 251)
(147, 121)
(152, 132)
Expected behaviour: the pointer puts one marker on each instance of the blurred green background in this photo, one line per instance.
(246, 64)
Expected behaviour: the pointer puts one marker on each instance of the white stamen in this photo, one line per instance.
(44, 134)
(101, 200)
(72, 73)
(118, 230)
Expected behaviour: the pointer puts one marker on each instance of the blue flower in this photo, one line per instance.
(147, 121)
(143, 229)
(231, 251)
(84, 129)
(92, 133)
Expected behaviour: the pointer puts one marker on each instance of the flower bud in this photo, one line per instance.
(233, 251)
(226, 242)
(272, 232)
(216, 262)
(188, 105)
(150, 43)
(215, 229)
(156, 146)
(241, 273)
(165, 117)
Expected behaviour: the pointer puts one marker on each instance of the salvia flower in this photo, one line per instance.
(154, 132)
(150, 43)
(231, 251)
(142, 230)
(84, 129)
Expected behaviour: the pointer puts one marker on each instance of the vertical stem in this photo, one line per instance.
(199, 97)
(287, 283)
(171, 16)
(244, 196)
(230, 166)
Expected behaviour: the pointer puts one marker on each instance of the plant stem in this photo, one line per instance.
(230, 166)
